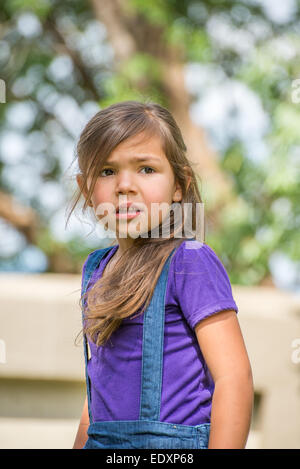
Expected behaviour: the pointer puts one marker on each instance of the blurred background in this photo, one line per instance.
(229, 71)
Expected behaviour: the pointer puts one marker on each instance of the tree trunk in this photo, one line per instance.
(24, 219)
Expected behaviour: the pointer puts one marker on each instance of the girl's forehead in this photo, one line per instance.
(141, 140)
(138, 147)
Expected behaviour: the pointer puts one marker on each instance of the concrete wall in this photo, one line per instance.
(270, 322)
(42, 386)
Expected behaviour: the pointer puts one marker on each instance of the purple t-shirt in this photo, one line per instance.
(197, 287)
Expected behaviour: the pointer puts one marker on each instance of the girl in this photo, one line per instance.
(175, 374)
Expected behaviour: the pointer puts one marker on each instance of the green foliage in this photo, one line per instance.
(157, 12)
(141, 66)
(194, 41)
(40, 8)
(140, 72)
(268, 218)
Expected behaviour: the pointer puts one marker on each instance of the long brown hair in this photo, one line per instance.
(131, 283)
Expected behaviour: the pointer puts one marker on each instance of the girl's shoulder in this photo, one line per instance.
(193, 255)
(92, 260)
(200, 282)
(96, 254)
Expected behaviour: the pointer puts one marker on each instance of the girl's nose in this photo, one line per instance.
(125, 182)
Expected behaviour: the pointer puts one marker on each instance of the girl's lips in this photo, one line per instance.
(127, 215)
(129, 207)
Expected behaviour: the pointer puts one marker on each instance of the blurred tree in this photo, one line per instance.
(54, 50)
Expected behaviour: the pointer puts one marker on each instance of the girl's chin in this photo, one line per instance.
(131, 228)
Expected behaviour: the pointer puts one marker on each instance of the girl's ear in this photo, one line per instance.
(177, 197)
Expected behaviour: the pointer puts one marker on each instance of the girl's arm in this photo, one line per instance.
(224, 351)
(81, 435)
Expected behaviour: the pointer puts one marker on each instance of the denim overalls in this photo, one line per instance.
(148, 431)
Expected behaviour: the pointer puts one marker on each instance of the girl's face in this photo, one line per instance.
(125, 178)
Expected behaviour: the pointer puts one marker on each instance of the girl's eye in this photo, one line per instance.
(148, 167)
(106, 169)
(109, 169)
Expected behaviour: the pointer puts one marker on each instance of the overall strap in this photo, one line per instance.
(92, 263)
(153, 344)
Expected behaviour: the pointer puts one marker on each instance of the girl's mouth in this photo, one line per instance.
(128, 211)
(127, 215)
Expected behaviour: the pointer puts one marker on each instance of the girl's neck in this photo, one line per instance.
(124, 244)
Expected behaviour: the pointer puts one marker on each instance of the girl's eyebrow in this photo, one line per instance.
(138, 158)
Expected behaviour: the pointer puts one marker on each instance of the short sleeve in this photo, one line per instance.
(202, 286)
